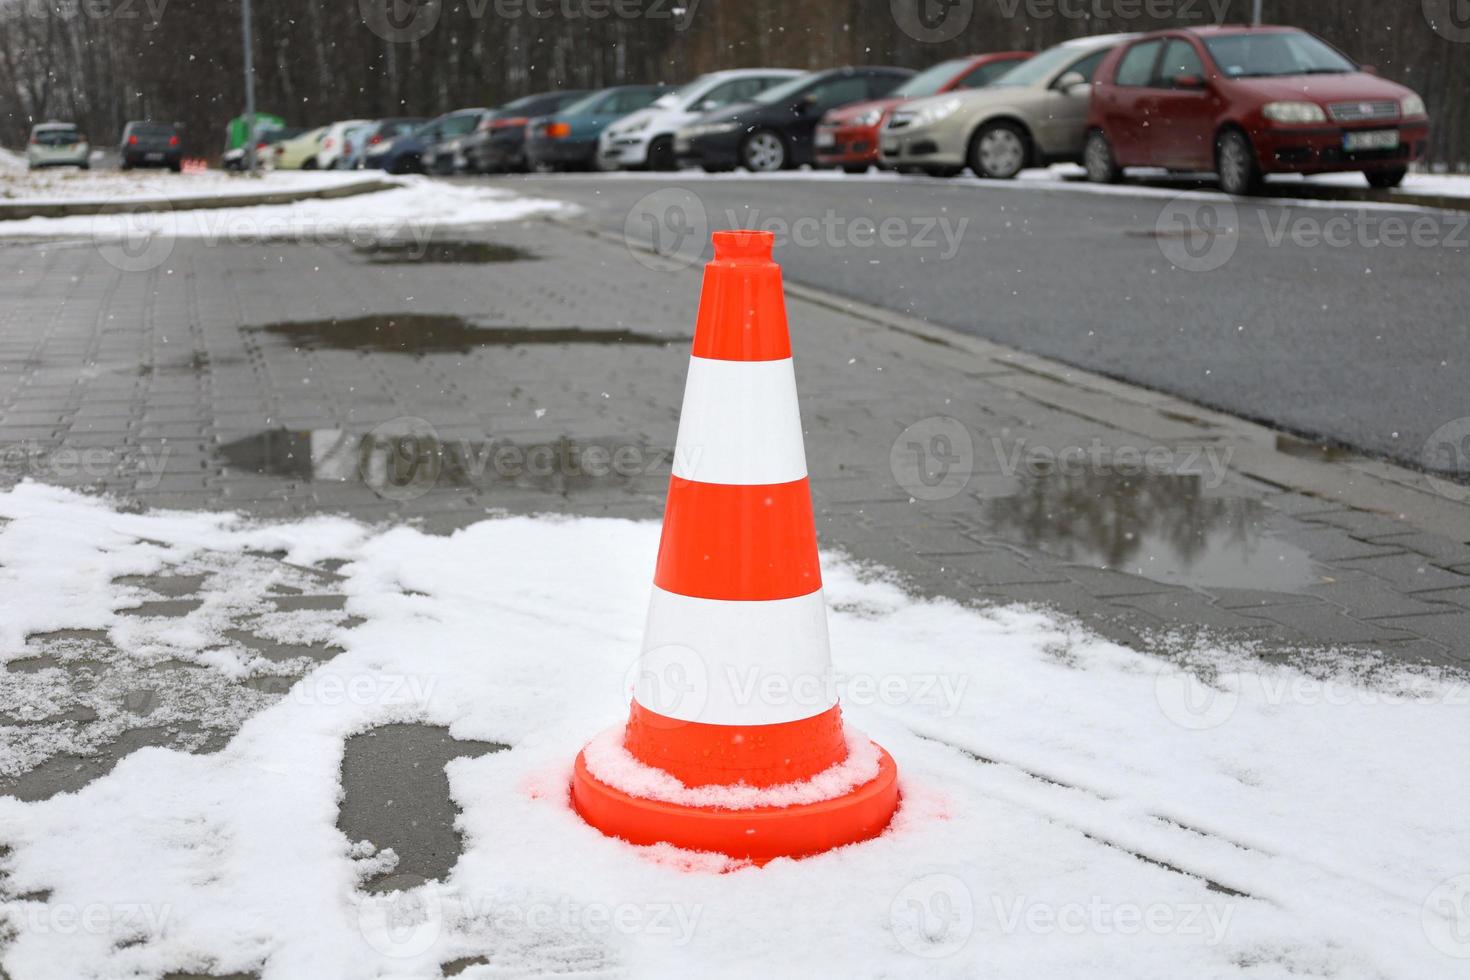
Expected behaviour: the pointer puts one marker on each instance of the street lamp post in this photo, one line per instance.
(250, 161)
(1255, 11)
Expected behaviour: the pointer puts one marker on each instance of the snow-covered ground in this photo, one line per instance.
(67, 185)
(410, 211)
(1071, 808)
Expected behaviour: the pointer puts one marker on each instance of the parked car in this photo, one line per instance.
(58, 144)
(567, 139)
(1033, 115)
(1244, 102)
(498, 144)
(298, 152)
(847, 137)
(333, 153)
(776, 129)
(446, 156)
(377, 134)
(150, 144)
(269, 130)
(645, 139)
(405, 154)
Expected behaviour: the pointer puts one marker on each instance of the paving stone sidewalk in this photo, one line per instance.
(536, 367)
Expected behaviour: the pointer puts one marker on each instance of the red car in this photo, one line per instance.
(847, 137)
(1248, 101)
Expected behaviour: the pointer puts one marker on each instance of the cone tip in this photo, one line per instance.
(747, 245)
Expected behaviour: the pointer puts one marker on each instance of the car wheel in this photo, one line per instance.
(1097, 157)
(177, 167)
(84, 166)
(999, 151)
(1235, 162)
(309, 164)
(763, 152)
(1385, 179)
(855, 168)
(661, 154)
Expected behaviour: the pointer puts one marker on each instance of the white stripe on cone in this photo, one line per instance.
(740, 424)
(730, 662)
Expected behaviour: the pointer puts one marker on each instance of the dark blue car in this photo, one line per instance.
(405, 154)
(567, 139)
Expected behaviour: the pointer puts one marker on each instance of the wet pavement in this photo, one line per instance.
(427, 333)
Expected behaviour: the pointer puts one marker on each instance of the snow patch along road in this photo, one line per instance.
(1072, 808)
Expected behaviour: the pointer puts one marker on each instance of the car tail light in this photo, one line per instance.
(132, 141)
(375, 139)
(515, 122)
(173, 141)
(260, 146)
(557, 130)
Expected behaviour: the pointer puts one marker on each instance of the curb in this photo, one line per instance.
(19, 212)
(1256, 451)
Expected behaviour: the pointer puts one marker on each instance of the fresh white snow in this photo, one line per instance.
(1066, 799)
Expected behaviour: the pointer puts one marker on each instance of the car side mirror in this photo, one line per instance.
(1070, 82)
(1189, 81)
(807, 104)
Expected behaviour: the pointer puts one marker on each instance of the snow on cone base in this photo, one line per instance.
(737, 578)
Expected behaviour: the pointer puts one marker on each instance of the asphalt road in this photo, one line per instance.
(1343, 323)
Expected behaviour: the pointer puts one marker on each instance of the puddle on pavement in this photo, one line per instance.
(398, 252)
(441, 333)
(1164, 527)
(402, 462)
(1305, 449)
(395, 794)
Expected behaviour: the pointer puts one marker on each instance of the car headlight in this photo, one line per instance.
(931, 114)
(1413, 105)
(869, 118)
(1294, 112)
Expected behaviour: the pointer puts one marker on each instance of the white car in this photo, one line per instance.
(335, 152)
(645, 139)
(55, 144)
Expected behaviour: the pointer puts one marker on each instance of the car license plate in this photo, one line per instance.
(1375, 139)
(825, 138)
(155, 157)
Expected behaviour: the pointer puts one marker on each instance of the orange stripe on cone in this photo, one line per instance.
(734, 542)
(738, 591)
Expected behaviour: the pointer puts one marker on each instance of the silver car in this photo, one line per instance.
(54, 144)
(1033, 115)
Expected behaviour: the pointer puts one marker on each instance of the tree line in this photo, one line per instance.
(100, 63)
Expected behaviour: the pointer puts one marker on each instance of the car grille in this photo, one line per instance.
(1362, 111)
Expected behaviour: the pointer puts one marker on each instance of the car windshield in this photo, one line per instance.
(785, 90)
(56, 137)
(1276, 53)
(583, 106)
(929, 81)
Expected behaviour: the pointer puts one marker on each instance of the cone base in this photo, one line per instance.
(759, 834)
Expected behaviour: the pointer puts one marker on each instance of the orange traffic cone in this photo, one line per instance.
(735, 742)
